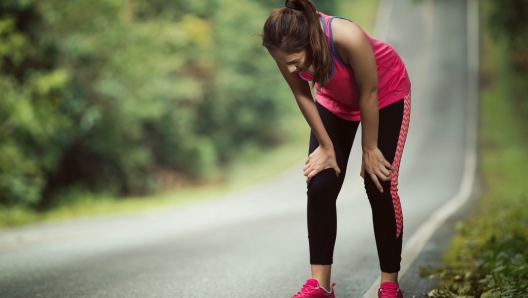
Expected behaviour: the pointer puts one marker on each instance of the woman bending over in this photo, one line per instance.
(357, 79)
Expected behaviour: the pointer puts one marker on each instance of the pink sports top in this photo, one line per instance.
(340, 95)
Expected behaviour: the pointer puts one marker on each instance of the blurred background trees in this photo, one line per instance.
(114, 96)
(509, 22)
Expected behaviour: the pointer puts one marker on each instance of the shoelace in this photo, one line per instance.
(305, 290)
(389, 292)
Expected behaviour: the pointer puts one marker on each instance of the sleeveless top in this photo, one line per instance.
(340, 95)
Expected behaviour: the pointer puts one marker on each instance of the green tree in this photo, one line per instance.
(107, 95)
(509, 21)
(32, 131)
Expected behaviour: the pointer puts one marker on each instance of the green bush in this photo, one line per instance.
(108, 95)
(490, 256)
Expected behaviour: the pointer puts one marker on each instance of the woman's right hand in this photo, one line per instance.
(320, 159)
(376, 166)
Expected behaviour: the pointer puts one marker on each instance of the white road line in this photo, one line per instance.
(419, 238)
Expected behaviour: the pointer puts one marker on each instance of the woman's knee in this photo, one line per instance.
(325, 184)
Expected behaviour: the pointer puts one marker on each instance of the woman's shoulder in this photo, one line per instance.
(347, 37)
(345, 30)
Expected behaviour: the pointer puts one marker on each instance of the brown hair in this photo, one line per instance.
(292, 30)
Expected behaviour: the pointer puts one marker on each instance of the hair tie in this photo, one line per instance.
(290, 5)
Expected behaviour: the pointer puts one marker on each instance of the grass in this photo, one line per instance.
(488, 256)
(254, 166)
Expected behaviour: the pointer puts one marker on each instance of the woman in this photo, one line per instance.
(357, 78)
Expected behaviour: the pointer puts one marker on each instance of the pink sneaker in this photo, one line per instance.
(311, 289)
(389, 290)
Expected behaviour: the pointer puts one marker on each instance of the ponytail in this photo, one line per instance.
(295, 28)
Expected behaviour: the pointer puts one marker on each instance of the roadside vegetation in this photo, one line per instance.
(488, 257)
(116, 106)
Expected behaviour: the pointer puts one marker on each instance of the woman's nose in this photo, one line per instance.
(292, 68)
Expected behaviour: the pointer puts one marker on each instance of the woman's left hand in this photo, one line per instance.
(376, 166)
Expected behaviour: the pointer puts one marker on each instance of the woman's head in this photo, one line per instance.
(294, 33)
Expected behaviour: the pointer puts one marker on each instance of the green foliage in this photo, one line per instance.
(490, 257)
(509, 22)
(109, 95)
(31, 129)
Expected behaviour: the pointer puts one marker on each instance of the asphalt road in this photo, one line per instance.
(254, 243)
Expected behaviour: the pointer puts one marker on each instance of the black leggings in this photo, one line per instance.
(325, 186)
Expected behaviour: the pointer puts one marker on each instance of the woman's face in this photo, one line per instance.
(294, 63)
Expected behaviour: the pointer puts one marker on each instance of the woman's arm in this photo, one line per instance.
(354, 48)
(324, 156)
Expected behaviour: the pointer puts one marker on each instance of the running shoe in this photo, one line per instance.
(389, 290)
(311, 289)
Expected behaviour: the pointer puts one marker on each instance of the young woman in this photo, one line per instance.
(357, 78)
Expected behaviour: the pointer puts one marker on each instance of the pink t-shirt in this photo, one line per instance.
(340, 95)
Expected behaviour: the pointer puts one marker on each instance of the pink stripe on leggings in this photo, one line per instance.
(396, 164)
